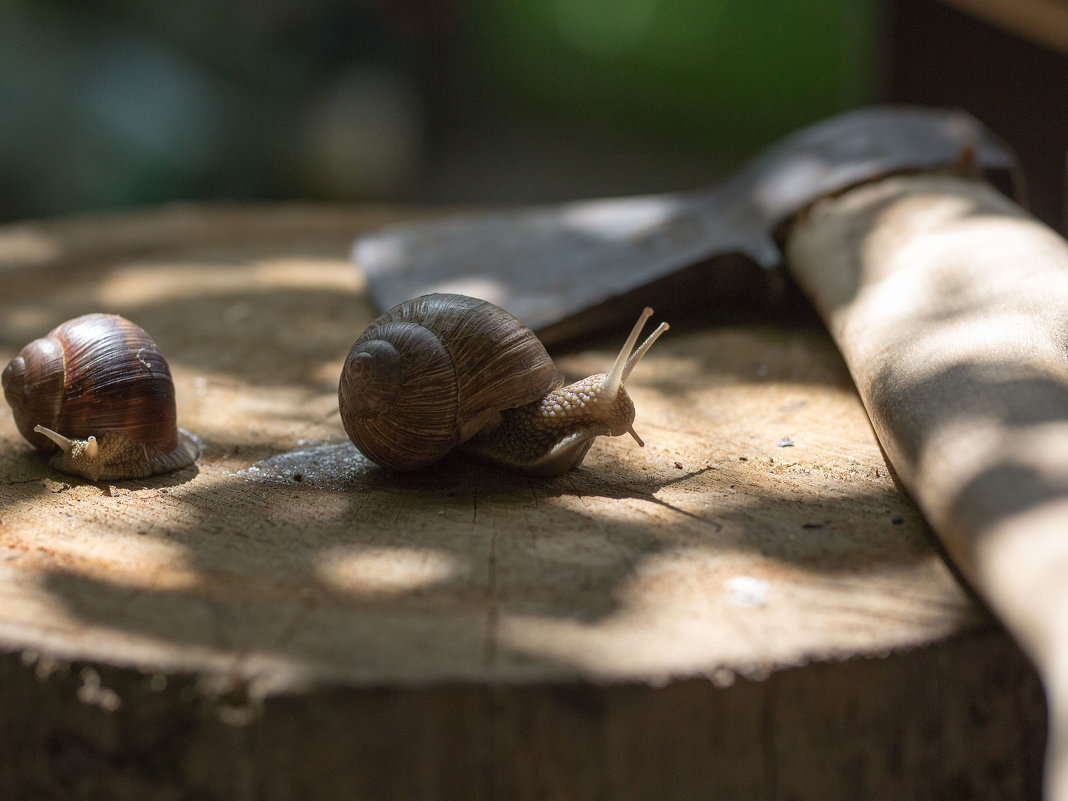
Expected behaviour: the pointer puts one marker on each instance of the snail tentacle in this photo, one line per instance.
(553, 434)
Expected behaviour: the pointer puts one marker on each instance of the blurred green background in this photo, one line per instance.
(108, 104)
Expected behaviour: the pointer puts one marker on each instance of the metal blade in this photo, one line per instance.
(567, 268)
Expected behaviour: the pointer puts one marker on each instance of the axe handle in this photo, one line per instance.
(949, 304)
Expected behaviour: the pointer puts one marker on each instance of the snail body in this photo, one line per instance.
(442, 372)
(97, 395)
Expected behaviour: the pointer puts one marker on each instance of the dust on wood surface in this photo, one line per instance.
(758, 529)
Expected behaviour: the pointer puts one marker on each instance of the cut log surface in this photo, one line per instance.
(463, 632)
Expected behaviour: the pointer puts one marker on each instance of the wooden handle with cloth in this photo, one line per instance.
(950, 306)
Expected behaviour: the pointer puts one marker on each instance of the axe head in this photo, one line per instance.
(571, 268)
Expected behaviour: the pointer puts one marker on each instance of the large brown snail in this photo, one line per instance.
(98, 395)
(446, 371)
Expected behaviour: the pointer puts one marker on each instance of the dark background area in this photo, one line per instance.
(109, 104)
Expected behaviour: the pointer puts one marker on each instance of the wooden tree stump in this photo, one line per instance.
(748, 607)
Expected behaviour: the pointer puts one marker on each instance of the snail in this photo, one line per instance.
(446, 371)
(98, 395)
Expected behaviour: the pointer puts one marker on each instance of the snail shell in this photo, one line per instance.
(98, 395)
(431, 372)
(446, 371)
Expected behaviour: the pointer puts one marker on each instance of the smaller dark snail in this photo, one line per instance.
(446, 371)
(98, 395)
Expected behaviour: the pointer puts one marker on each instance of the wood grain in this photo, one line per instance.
(750, 588)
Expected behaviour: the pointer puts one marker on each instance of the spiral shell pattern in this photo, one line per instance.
(91, 375)
(429, 373)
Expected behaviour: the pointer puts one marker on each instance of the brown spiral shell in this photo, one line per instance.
(429, 373)
(92, 375)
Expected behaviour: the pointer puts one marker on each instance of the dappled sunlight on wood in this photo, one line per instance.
(212, 273)
(759, 527)
(384, 570)
(24, 246)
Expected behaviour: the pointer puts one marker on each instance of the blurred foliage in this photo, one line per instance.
(111, 103)
(729, 70)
